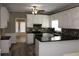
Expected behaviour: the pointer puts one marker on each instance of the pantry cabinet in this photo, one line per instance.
(4, 17)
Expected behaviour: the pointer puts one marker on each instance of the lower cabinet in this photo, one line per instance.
(5, 46)
(13, 37)
(30, 38)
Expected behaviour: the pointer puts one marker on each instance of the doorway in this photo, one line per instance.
(20, 29)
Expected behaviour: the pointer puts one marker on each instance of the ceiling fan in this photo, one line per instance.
(35, 10)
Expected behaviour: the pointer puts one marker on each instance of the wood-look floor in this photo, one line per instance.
(22, 49)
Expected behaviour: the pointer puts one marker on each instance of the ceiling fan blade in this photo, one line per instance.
(41, 11)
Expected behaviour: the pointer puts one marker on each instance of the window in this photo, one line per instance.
(20, 26)
(55, 25)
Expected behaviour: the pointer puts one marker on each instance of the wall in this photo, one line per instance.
(59, 48)
(11, 23)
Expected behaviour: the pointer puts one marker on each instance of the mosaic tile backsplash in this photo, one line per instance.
(71, 32)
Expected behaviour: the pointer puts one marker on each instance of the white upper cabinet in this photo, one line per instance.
(29, 21)
(63, 20)
(4, 18)
(45, 21)
(68, 18)
(37, 19)
(74, 16)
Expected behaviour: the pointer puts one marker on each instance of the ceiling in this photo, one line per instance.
(48, 7)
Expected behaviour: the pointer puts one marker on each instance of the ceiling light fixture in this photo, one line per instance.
(34, 10)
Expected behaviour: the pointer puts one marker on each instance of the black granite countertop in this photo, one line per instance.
(42, 30)
(5, 37)
(56, 39)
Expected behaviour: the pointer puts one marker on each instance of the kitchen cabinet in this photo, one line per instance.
(63, 20)
(45, 21)
(5, 44)
(29, 21)
(74, 16)
(68, 18)
(4, 17)
(54, 48)
(37, 19)
(30, 38)
(13, 37)
(5, 47)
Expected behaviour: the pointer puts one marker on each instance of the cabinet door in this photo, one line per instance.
(37, 19)
(62, 21)
(65, 19)
(75, 17)
(4, 17)
(69, 18)
(40, 19)
(29, 21)
(45, 21)
(30, 39)
(60, 17)
(7, 15)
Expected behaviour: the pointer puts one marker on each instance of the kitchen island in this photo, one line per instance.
(55, 46)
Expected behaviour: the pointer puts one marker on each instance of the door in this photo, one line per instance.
(20, 30)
